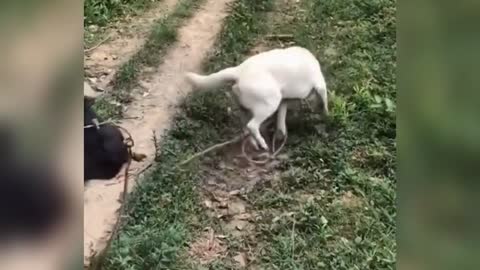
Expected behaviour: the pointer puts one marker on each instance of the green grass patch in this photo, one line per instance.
(102, 12)
(163, 34)
(340, 189)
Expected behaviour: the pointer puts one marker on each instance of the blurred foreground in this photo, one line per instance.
(41, 135)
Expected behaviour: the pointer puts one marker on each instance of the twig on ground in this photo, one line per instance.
(96, 46)
(280, 36)
(234, 140)
(214, 147)
(145, 169)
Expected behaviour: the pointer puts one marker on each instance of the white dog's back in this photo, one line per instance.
(295, 69)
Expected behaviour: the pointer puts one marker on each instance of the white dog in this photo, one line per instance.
(264, 82)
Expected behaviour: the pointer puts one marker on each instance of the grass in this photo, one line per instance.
(100, 13)
(334, 206)
(348, 220)
(163, 34)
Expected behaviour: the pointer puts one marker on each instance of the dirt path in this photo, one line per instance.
(230, 181)
(152, 112)
(123, 40)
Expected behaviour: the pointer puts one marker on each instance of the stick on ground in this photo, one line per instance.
(214, 147)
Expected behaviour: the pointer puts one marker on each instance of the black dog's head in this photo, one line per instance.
(104, 149)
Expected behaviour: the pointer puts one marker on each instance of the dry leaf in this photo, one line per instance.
(207, 248)
(234, 192)
(244, 216)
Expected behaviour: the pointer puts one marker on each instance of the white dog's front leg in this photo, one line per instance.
(251, 138)
(260, 114)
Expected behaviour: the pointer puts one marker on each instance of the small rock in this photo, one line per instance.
(208, 203)
(222, 165)
(234, 192)
(236, 208)
(211, 182)
(93, 28)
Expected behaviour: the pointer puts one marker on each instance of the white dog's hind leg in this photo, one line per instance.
(281, 120)
(260, 114)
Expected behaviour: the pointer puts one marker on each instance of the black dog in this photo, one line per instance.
(104, 149)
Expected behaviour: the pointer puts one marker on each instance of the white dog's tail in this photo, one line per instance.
(214, 80)
(321, 90)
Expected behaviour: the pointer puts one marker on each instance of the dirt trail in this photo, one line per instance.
(152, 112)
(123, 40)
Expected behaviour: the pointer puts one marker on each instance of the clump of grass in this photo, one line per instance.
(163, 34)
(101, 12)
